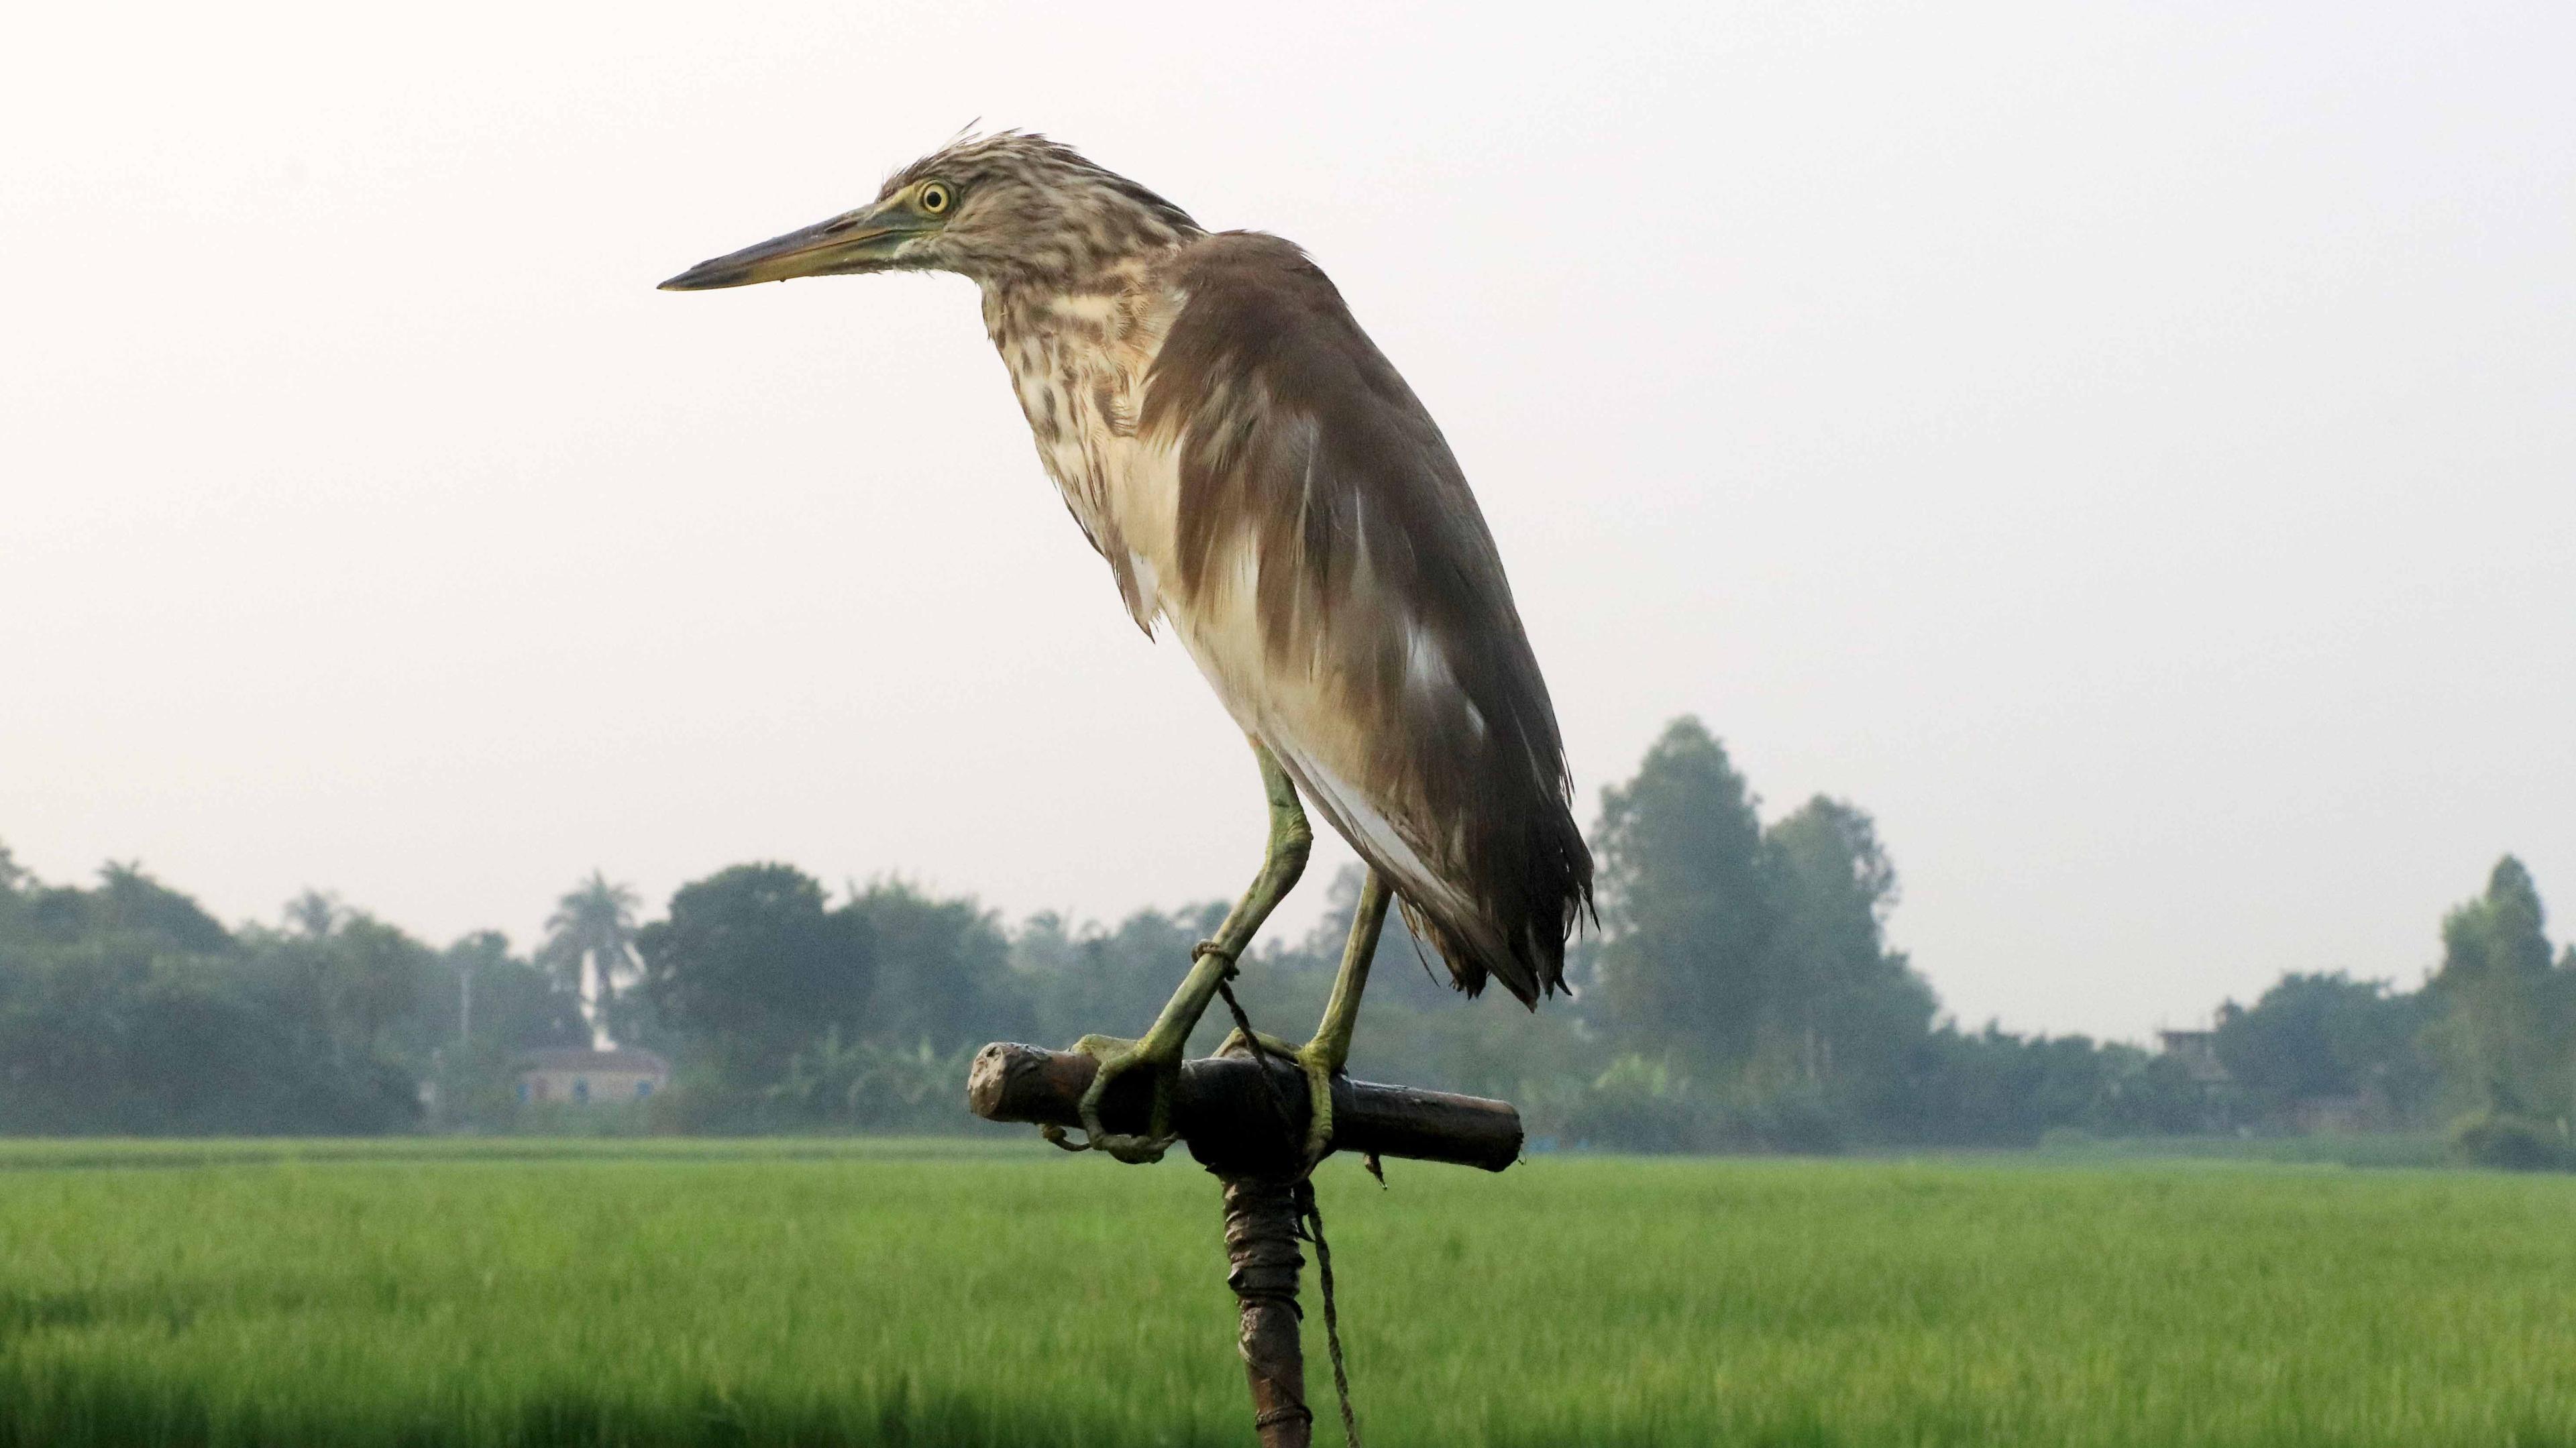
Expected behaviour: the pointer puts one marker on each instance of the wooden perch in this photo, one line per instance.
(1232, 1122)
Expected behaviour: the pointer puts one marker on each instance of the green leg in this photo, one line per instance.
(1210, 964)
(1332, 1043)
(1322, 1058)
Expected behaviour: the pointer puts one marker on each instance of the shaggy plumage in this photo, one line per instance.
(1259, 477)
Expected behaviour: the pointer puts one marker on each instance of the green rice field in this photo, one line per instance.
(424, 1292)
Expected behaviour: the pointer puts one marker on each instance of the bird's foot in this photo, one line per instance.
(1117, 1057)
(1314, 1060)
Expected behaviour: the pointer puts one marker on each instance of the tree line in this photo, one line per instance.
(1738, 993)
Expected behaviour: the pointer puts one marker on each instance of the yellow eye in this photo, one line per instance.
(936, 198)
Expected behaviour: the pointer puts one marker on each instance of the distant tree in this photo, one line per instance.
(1843, 1011)
(56, 913)
(1081, 980)
(16, 887)
(373, 977)
(2502, 1013)
(126, 1008)
(590, 940)
(2323, 1035)
(518, 1005)
(1688, 902)
(2500, 935)
(843, 1084)
(942, 970)
(313, 915)
(750, 965)
(1995, 1088)
(2153, 1093)
(128, 900)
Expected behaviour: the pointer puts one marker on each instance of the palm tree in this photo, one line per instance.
(314, 915)
(590, 941)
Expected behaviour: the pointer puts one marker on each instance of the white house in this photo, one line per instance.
(586, 1076)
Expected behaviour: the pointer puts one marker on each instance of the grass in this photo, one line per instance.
(2372, 1149)
(432, 1293)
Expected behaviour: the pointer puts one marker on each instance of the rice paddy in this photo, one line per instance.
(430, 1293)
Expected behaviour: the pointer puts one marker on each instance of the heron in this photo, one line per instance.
(1262, 482)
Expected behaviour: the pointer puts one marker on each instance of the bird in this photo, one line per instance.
(1263, 485)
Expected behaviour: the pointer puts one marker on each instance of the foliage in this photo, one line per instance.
(2512, 1143)
(1992, 1088)
(2312, 1036)
(751, 964)
(943, 975)
(1751, 959)
(2502, 1013)
(1844, 1011)
(870, 1085)
(590, 944)
(1641, 1104)
(1081, 979)
(1741, 996)
(127, 1008)
(1689, 901)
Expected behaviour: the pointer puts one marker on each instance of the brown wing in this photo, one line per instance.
(1341, 588)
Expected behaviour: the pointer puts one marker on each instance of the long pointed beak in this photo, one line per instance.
(861, 240)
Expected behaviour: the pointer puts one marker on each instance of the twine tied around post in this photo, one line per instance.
(1308, 1223)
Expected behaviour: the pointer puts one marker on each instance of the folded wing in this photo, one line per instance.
(1336, 582)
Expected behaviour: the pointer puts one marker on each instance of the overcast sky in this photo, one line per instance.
(2127, 449)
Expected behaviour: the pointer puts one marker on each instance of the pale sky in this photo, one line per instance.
(2127, 449)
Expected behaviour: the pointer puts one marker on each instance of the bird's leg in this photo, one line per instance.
(1330, 1047)
(1211, 964)
(1323, 1057)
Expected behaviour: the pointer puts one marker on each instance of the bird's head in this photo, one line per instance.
(1001, 209)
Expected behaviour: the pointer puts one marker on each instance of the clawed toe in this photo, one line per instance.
(1315, 1064)
(1319, 1103)
(1117, 1058)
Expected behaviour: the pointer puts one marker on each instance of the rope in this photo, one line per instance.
(1260, 1052)
(1332, 1319)
(1312, 1223)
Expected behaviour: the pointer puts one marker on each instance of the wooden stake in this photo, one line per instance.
(1262, 1263)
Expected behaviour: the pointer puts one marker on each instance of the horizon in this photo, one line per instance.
(526, 945)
